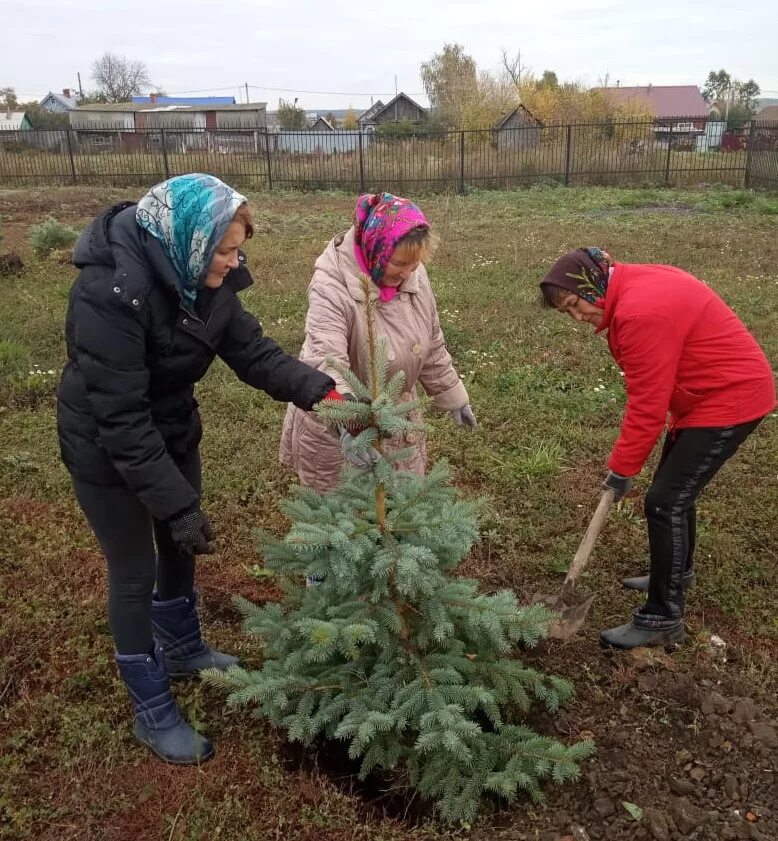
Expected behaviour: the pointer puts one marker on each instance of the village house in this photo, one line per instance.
(14, 121)
(138, 125)
(59, 103)
(681, 115)
(518, 129)
(400, 109)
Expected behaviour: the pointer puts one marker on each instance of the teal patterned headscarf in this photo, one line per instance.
(189, 215)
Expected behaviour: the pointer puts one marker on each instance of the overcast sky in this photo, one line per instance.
(350, 51)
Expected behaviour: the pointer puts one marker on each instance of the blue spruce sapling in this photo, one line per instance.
(392, 653)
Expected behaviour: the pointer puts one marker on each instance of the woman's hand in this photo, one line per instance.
(352, 426)
(191, 532)
(365, 459)
(464, 416)
(617, 483)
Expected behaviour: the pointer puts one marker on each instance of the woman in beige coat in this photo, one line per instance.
(389, 242)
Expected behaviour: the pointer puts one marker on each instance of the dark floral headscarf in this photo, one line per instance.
(584, 272)
(381, 220)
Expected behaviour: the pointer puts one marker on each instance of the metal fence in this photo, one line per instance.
(612, 153)
(762, 158)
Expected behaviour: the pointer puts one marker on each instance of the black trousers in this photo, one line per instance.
(140, 553)
(690, 459)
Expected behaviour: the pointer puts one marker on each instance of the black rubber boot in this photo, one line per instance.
(640, 582)
(645, 630)
(158, 723)
(177, 627)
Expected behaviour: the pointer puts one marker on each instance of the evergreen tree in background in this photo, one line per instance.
(392, 653)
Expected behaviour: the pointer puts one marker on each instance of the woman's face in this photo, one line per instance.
(226, 255)
(398, 270)
(580, 309)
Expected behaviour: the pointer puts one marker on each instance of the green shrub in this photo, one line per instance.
(51, 235)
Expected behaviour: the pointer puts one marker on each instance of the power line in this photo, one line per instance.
(242, 85)
(333, 93)
(207, 90)
(297, 90)
(291, 90)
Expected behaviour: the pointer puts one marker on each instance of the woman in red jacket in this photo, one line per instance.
(685, 355)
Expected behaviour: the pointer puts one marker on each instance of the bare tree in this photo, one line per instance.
(119, 78)
(513, 67)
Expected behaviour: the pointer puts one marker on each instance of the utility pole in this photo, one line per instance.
(247, 92)
(80, 89)
(395, 85)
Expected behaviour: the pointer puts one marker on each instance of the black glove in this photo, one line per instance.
(191, 531)
(620, 485)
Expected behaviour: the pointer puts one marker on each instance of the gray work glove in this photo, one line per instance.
(617, 483)
(191, 532)
(464, 416)
(366, 459)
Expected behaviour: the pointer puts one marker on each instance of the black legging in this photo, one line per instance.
(127, 534)
(690, 459)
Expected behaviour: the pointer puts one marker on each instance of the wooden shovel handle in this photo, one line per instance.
(589, 539)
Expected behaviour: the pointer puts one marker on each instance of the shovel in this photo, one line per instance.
(571, 605)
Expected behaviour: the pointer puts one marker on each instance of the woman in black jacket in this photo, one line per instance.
(154, 303)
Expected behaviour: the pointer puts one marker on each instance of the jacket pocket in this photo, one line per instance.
(316, 454)
(683, 401)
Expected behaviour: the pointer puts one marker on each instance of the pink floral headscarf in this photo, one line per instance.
(381, 220)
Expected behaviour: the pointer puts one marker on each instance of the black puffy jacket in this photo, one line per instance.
(126, 411)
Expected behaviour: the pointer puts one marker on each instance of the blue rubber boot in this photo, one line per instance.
(177, 628)
(158, 723)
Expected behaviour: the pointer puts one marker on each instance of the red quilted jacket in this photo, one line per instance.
(683, 352)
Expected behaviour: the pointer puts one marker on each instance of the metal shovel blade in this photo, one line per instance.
(570, 614)
(571, 605)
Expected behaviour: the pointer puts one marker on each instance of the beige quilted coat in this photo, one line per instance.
(335, 327)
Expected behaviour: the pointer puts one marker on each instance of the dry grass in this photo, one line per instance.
(548, 400)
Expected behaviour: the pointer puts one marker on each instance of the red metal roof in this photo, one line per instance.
(769, 112)
(663, 100)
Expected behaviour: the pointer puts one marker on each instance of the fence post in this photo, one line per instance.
(70, 155)
(567, 155)
(669, 151)
(268, 161)
(164, 154)
(361, 163)
(462, 162)
(749, 150)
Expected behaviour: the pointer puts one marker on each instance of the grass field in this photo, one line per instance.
(548, 398)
